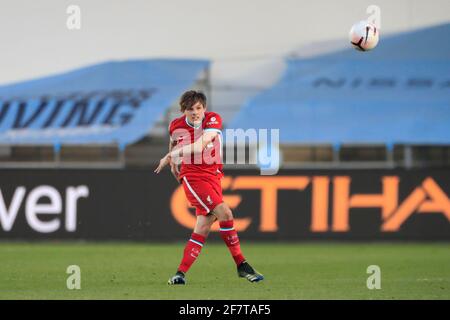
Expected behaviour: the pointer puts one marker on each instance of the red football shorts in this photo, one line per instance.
(204, 193)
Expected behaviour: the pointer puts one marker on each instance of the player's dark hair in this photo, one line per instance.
(190, 98)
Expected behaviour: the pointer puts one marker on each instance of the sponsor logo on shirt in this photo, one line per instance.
(212, 120)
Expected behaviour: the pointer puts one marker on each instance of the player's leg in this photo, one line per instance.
(203, 224)
(194, 189)
(193, 247)
(231, 239)
(227, 231)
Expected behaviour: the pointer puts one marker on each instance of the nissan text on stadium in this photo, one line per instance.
(225, 159)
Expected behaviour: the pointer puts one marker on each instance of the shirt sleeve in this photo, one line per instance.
(170, 129)
(214, 123)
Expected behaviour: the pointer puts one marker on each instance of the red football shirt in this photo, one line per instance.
(208, 163)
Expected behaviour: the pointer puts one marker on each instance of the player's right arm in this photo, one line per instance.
(173, 166)
(167, 159)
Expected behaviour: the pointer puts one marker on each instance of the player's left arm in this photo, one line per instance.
(212, 130)
(193, 148)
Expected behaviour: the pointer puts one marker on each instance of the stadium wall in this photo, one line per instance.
(137, 205)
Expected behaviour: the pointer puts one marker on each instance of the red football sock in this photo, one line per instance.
(229, 235)
(191, 251)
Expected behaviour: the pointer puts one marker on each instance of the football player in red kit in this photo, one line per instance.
(196, 141)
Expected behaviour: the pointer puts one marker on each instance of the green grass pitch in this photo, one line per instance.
(292, 271)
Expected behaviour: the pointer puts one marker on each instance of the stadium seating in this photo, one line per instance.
(396, 94)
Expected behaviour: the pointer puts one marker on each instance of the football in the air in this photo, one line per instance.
(364, 36)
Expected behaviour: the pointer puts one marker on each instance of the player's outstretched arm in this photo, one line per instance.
(173, 165)
(167, 159)
(194, 148)
(162, 163)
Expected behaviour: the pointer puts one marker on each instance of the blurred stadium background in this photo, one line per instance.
(364, 146)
